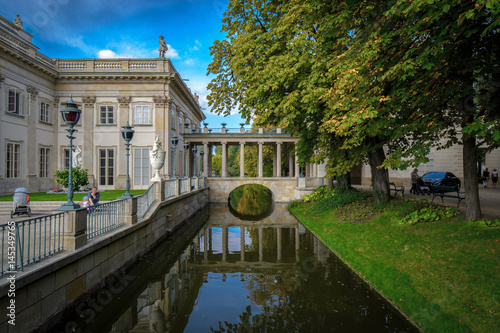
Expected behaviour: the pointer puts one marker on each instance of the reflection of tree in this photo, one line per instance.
(251, 199)
(268, 239)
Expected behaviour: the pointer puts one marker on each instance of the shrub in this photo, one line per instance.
(79, 175)
(338, 200)
(294, 204)
(321, 192)
(431, 213)
(485, 224)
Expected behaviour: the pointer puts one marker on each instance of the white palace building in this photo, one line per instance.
(148, 93)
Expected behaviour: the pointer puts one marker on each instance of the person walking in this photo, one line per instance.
(494, 177)
(415, 188)
(486, 177)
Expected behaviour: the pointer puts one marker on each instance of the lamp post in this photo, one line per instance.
(194, 150)
(127, 134)
(201, 163)
(186, 150)
(71, 115)
(174, 141)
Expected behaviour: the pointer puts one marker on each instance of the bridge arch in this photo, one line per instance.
(282, 189)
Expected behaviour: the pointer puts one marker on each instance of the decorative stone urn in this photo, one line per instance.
(157, 158)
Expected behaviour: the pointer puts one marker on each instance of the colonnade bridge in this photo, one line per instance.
(286, 183)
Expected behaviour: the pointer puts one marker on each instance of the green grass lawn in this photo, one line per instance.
(443, 274)
(43, 196)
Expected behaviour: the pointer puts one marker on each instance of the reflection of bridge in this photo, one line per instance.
(284, 188)
(224, 245)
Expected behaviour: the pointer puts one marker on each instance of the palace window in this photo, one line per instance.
(13, 160)
(44, 162)
(45, 112)
(142, 115)
(141, 166)
(15, 101)
(107, 115)
(66, 158)
(106, 166)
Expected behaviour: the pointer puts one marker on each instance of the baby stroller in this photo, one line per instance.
(419, 187)
(21, 202)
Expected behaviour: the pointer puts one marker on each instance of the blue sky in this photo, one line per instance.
(129, 29)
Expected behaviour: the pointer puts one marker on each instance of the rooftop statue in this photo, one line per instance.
(18, 22)
(163, 47)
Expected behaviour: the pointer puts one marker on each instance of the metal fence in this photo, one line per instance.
(105, 217)
(169, 188)
(184, 183)
(29, 241)
(146, 200)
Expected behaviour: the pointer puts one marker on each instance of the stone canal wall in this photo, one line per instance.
(44, 290)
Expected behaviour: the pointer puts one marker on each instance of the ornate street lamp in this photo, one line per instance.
(127, 134)
(194, 150)
(71, 115)
(186, 150)
(174, 141)
(201, 162)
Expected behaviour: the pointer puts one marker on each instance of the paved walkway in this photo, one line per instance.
(489, 198)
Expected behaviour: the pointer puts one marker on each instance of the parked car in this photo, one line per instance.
(441, 179)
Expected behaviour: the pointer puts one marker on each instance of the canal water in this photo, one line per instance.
(227, 274)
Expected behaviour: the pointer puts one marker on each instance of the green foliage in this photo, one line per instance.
(294, 204)
(336, 201)
(217, 164)
(251, 199)
(485, 224)
(431, 213)
(79, 177)
(321, 192)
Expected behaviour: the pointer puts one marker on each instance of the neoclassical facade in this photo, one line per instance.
(148, 93)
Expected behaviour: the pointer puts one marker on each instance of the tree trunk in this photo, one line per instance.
(344, 181)
(472, 204)
(330, 183)
(380, 176)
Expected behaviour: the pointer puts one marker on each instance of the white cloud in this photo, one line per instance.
(189, 62)
(106, 54)
(172, 53)
(196, 46)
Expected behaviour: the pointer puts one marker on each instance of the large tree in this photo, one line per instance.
(365, 81)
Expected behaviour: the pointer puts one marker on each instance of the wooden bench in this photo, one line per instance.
(442, 191)
(396, 189)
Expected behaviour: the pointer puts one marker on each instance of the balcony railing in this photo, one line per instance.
(146, 200)
(105, 217)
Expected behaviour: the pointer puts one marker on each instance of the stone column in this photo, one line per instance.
(224, 159)
(209, 166)
(205, 159)
(297, 170)
(274, 161)
(224, 243)
(260, 164)
(242, 159)
(261, 249)
(279, 244)
(242, 243)
(278, 159)
(290, 162)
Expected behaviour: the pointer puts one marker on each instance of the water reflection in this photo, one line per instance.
(234, 275)
(251, 201)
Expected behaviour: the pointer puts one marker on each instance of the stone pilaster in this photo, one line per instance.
(205, 159)
(278, 159)
(88, 147)
(32, 154)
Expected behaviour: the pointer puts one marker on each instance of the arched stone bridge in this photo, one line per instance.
(284, 189)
